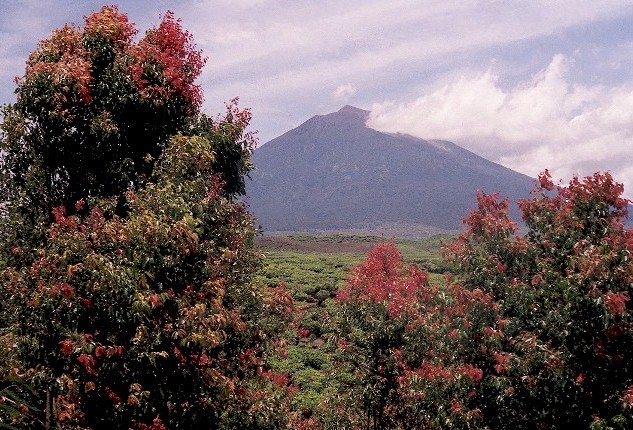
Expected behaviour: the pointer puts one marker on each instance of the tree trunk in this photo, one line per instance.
(49, 409)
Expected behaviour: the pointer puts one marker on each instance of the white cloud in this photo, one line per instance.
(269, 53)
(342, 93)
(544, 122)
(278, 57)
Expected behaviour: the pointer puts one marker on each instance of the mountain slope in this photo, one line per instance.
(332, 173)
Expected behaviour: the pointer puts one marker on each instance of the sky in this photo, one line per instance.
(529, 84)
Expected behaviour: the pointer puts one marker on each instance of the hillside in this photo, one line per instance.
(334, 173)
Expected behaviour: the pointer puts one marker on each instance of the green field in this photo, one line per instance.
(313, 267)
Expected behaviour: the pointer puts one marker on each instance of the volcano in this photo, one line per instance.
(333, 173)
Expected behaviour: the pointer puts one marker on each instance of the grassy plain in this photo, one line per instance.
(313, 267)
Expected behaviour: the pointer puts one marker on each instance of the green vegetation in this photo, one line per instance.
(134, 297)
(312, 276)
(530, 331)
(312, 262)
(127, 297)
(314, 267)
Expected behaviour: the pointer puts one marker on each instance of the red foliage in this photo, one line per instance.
(67, 347)
(164, 63)
(167, 64)
(279, 301)
(472, 372)
(112, 395)
(627, 396)
(235, 123)
(411, 357)
(157, 424)
(616, 302)
(63, 60)
(88, 362)
(67, 412)
(303, 332)
(111, 25)
(492, 217)
(161, 286)
(381, 278)
(534, 322)
(561, 294)
(501, 362)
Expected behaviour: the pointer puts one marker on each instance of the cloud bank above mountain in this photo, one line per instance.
(546, 121)
(479, 68)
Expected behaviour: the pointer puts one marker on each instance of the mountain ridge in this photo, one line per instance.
(334, 173)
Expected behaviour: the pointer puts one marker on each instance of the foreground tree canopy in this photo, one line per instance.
(94, 111)
(126, 260)
(535, 332)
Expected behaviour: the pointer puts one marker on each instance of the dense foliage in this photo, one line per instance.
(398, 342)
(150, 317)
(564, 324)
(127, 293)
(535, 332)
(127, 268)
(94, 110)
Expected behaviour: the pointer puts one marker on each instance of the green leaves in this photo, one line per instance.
(126, 261)
(160, 298)
(16, 398)
(535, 331)
(85, 123)
(562, 290)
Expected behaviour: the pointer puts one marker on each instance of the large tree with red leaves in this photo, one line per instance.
(94, 110)
(563, 339)
(148, 320)
(536, 331)
(131, 304)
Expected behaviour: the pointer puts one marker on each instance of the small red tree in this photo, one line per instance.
(399, 347)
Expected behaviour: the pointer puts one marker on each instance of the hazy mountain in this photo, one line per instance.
(334, 173)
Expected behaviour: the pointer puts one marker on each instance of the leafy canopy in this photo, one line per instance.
(127, 293)
(94, 110)
(536, 331)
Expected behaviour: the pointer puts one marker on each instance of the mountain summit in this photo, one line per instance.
(335, 173)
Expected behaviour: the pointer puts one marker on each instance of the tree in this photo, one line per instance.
(564, 353)
(535, 331)
(141, 314)
(399, 348)
(232, 162)
(94, 110)
(148, 318)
